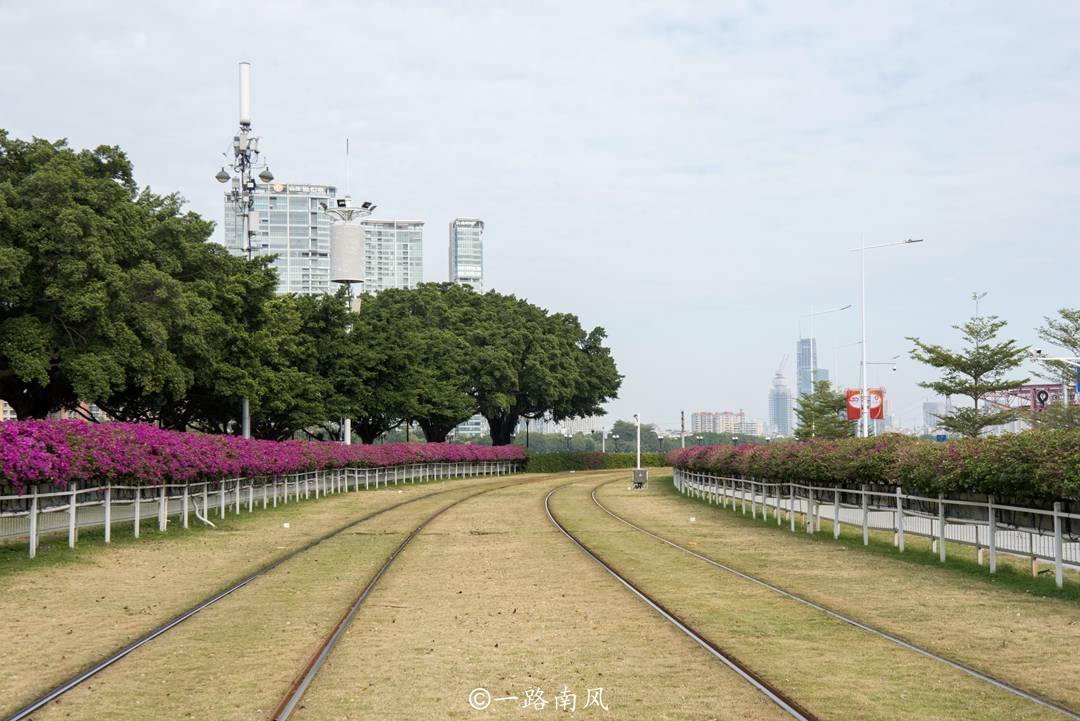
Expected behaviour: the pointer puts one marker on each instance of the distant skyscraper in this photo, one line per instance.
(780, 406)
(805, 359)
(393, 254)
(288, 221)
(467, 252)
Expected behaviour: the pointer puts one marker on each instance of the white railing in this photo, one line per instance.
(972, 523)
(38, 512)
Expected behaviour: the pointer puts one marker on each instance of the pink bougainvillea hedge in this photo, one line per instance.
(59, 452)
(1034, 465)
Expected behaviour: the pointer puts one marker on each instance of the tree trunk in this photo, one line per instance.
(29, 405)
(435, 431)
(502, 428)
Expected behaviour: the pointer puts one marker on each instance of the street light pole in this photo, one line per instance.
(637, 422)
(864, 400)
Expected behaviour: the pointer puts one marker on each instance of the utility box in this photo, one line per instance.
(641, 477)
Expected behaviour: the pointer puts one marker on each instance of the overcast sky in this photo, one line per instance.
(688, 175)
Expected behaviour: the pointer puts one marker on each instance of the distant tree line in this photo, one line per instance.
(113, 295)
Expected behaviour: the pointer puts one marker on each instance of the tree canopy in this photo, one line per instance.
(980, 367)
(822, 414)
(115, 296)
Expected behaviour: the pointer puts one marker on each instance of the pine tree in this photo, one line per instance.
(822, 414)
(979, 368)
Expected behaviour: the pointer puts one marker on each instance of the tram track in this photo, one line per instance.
(837, 615)
(113, 657)
(776, 695)
(295, 693)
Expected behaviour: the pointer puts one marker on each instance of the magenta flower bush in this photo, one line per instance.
(1031, 466)
(61, 452)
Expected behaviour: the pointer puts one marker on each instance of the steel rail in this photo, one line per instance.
(953, 663)
(102, 664)
(774, 694)
(300, 684)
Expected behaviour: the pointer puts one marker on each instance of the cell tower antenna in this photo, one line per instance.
(348, 180)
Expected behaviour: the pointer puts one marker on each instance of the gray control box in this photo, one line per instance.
(641, 477)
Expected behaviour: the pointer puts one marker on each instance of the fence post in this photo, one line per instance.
(810, 509)
(251, 495)
(941, 526)
(367, 478)
(236, 498)
(138, 509)
(836, 513)
(753, 500)
(865, 518)
(1059, 577)
(791, 505)
(779, 493)
(221, 498)
(108, 512)
(264, 494)
(184, 506)
(206, 499)
(162, 510)
(73, 509)
(34, 522)
(317, 485)
(991, 536)
(899, 520)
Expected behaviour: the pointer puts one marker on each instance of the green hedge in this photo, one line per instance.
(589, 461)
(1028, 467)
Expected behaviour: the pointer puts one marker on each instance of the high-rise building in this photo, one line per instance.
(393, 254)
(725, 422)
(780, 406)
(467, 252)
(805, 359)
(288, 221)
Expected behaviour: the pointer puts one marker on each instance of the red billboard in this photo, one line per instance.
(854, 405)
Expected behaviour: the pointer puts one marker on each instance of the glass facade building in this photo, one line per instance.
(780, 408)
(289, 222)
(467, 252)
(393, 254)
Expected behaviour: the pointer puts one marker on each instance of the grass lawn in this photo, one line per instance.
(1012, 626)
(59, 615)
(491, 595)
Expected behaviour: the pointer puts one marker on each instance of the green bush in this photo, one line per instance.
(1033, 466)
(589, 461)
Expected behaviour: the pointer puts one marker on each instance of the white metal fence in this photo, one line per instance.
(992, 528)
(39, 512)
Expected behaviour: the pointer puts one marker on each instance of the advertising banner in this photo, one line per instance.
(854, 405)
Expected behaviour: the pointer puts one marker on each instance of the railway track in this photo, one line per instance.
(115, 656)
(295, 693)
(773, 693)
(833, 613)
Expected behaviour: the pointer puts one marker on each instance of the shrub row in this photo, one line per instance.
(59, 452)
(589, 461)
(1031, 466)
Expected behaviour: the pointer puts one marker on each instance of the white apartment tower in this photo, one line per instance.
(393, 254)
(287, 220)
(467, 252)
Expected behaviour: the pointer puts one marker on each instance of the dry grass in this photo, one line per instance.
(492, 595)
(1028, 640)
(234, 660)
(57, 619)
